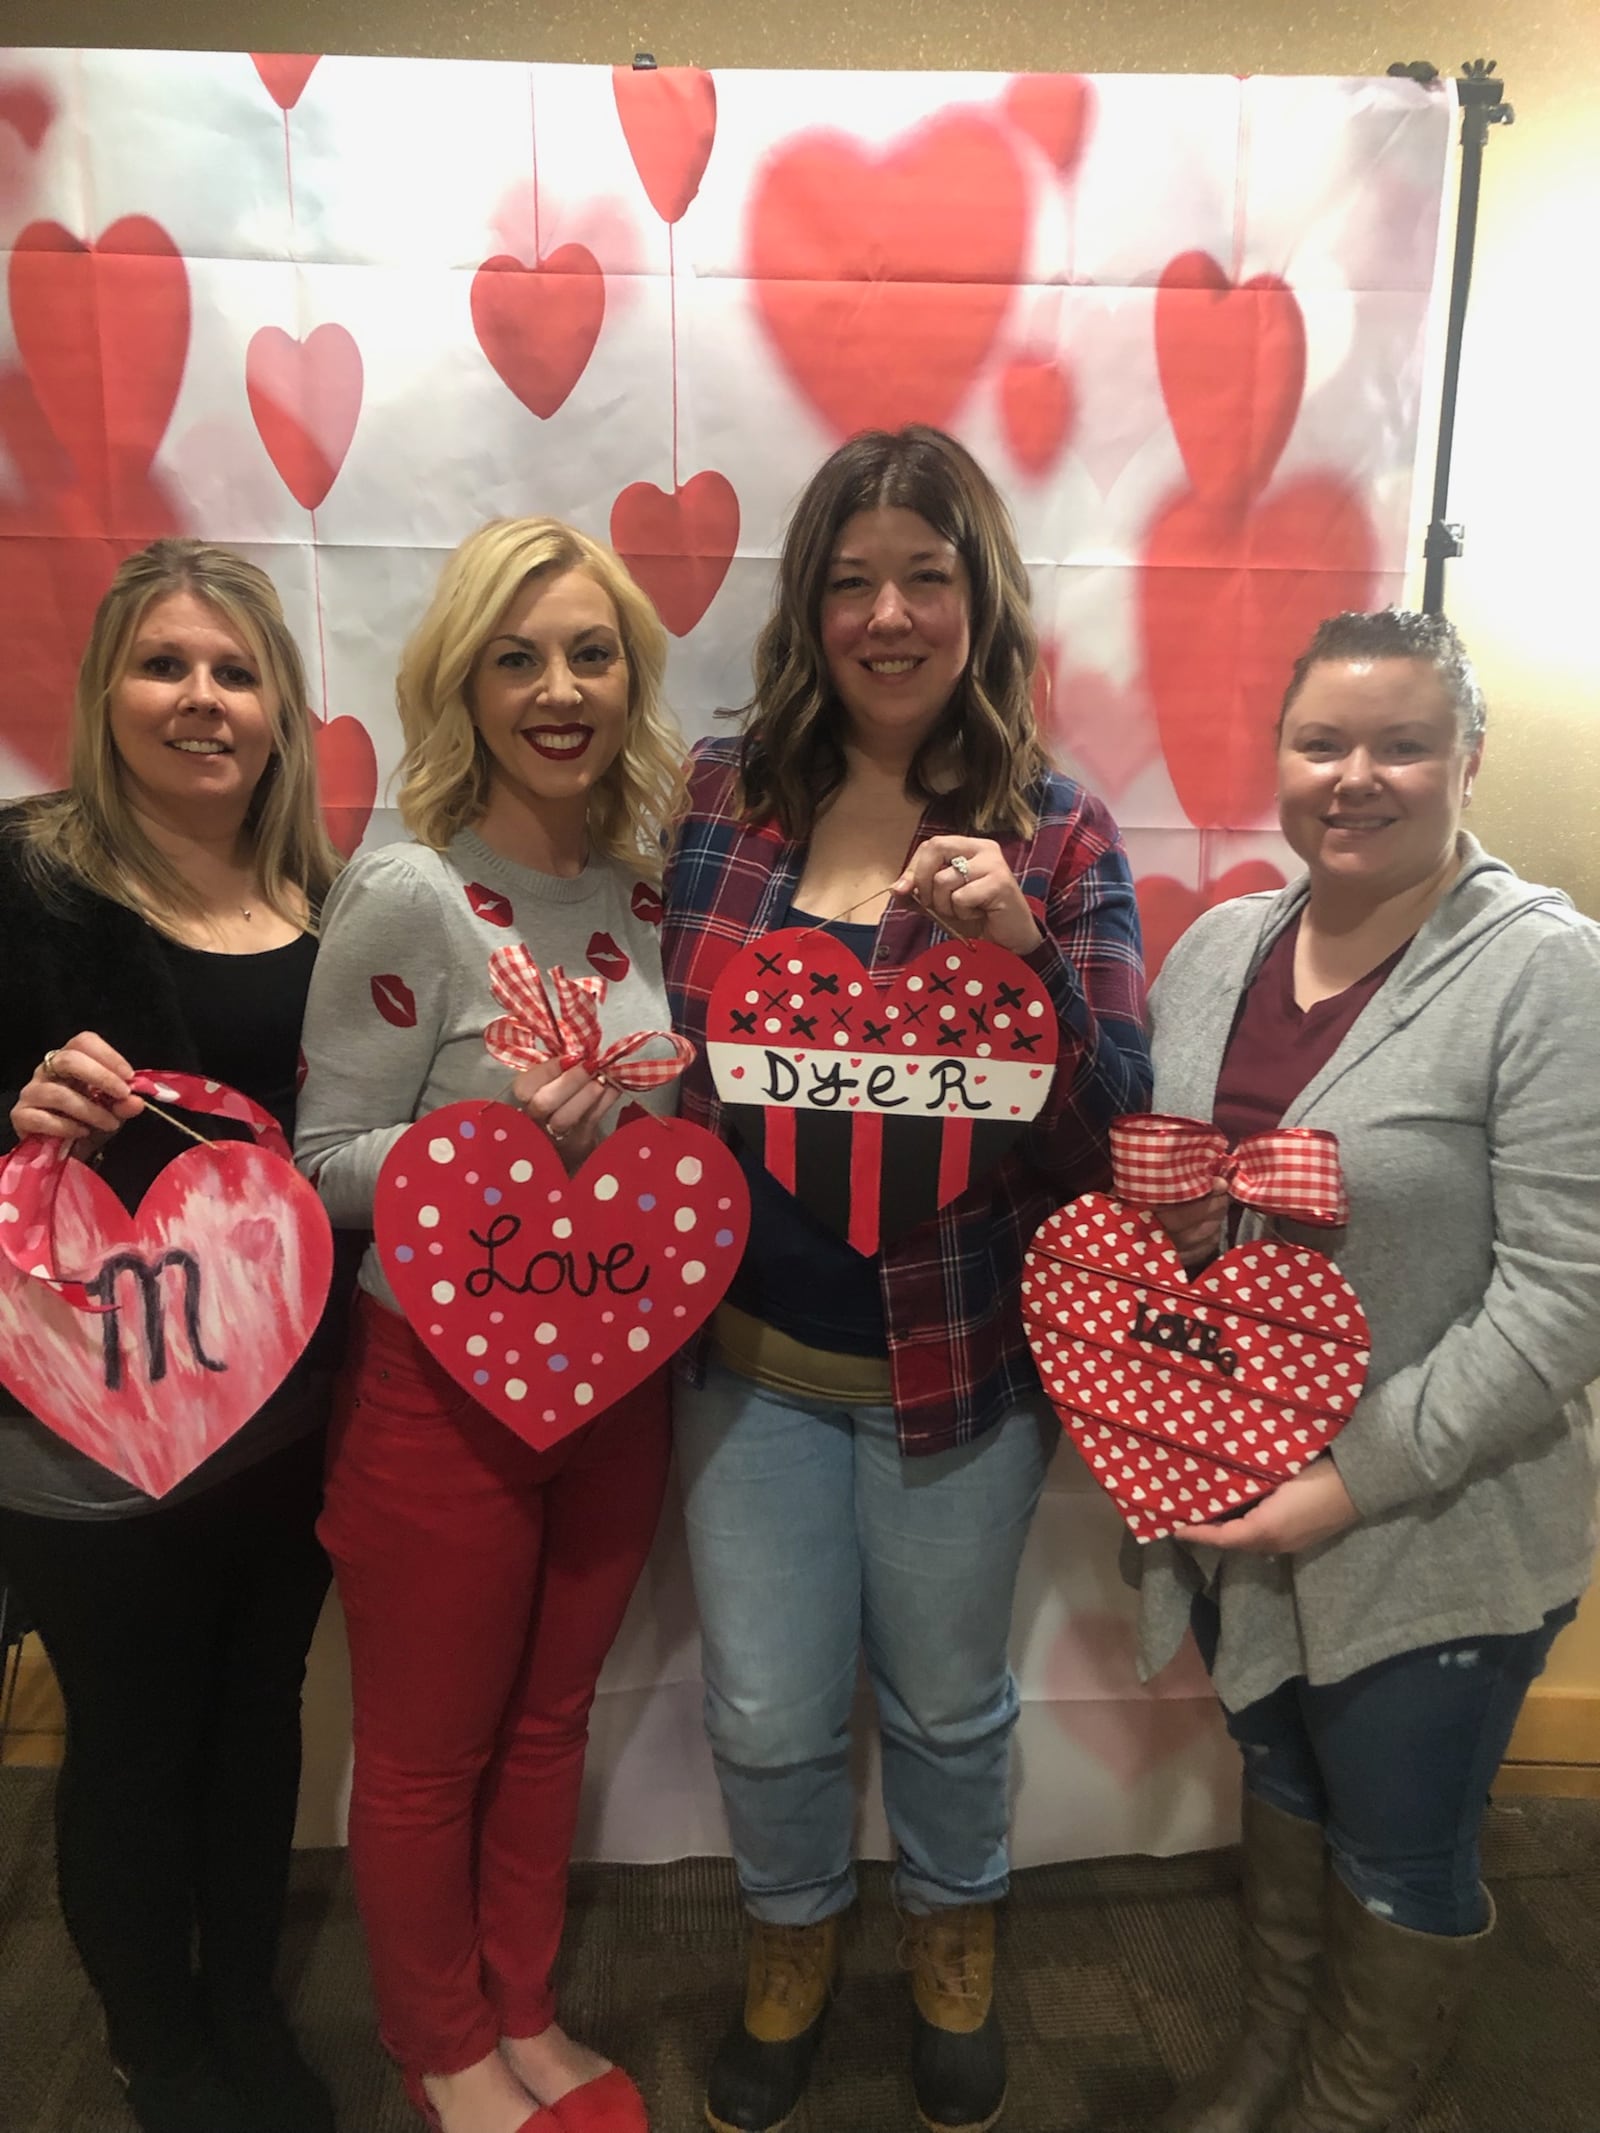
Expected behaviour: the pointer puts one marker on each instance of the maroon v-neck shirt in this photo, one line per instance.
(1276, 1048)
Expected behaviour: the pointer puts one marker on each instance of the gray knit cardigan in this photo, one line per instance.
(1466, 1101)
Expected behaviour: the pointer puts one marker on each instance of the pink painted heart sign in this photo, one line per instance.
(1188, 1399)
(877, 1105)
(196, 1306)
(548, 1297)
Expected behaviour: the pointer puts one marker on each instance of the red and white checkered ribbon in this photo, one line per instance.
(1158, 1161)
(32, 1175)
(532, 1031)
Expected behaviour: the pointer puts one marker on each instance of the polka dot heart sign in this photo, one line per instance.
(878, 1105)
(1188, 1399)
(548, 1297)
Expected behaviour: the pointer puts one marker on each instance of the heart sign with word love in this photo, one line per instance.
(548, 1297)
(877, 1105)
(1188, 1399)
(147, 1339)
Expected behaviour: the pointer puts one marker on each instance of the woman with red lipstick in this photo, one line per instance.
(483, 1581)
(863, 1449)
(1373, 1626)
(160, 912)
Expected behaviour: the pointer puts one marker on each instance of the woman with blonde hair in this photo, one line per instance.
(483, 1581)
(160, 911)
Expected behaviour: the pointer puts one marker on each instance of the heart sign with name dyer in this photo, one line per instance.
(548, 1297)
(1188, 1399)
(876, 1105)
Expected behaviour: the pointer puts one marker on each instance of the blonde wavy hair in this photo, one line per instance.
(444, 779)
(89, 832)
(984, 752)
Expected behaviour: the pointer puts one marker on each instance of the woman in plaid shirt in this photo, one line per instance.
(863, 1440)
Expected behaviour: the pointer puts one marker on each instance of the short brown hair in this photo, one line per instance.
(1399, 633)
(792, 758)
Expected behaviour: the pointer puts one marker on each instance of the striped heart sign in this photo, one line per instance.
(1188, 1398)
(877, 1105)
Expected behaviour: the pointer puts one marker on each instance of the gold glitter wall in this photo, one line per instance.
(1527, 470)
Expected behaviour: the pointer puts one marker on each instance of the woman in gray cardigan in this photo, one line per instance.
(1373, 1626)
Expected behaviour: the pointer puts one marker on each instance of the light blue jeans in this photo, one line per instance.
(812, 1542)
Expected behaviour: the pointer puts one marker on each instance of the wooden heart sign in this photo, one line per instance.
(197, 1306)
(877, 1105)
(1188, 1399)
(548, 1297)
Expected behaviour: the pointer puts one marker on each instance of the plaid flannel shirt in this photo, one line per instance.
(957, 1351)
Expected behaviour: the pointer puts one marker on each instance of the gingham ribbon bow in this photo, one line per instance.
(532, 1031)
(1294, 1170)
(33, 1173)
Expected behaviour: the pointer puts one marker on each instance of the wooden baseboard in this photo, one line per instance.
(1558, 1726)
(37, 1724)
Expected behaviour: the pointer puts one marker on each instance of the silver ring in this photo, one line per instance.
(558, 1138)
(47, 1067)
(962, 865)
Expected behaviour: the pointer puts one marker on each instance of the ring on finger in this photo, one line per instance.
(556, 1137)
(47, 1067)
(961, 865)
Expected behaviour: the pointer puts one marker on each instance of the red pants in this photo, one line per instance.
(483, 1583)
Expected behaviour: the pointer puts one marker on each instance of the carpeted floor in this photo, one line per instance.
(1117, 1979)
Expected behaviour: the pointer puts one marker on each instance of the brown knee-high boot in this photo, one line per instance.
(1283, 1893)
(1383, 2019)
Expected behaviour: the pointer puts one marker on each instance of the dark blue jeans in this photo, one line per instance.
(1396, 1763)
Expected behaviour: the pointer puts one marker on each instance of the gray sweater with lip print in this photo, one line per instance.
(1467, 1111)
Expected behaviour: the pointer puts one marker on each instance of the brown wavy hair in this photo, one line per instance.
(984, 750)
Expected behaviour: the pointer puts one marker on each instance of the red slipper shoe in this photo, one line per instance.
(608, 2104)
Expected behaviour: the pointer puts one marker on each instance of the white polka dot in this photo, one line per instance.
(952, 962)
(561, 1227)
(427, 1218)
(751, 998)
(913, 984)
(8, 1211)
(544, 1334)
(520, 1173)
(854, 990)
(477, 1345)
(689, 1171)
(638, 1340)
(974, 987)
(693, 1271)
(794, 966)
(605, 1188)
(443, 1292)
(796, 1000)
(442, 1151)
(515, 1389)
(513, 1355)
(685, 1218)
(1036, 1007)
(947, 1013)
(583, 1394)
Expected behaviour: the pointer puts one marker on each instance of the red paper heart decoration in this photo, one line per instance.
(876, 1106)
(347, 778)
(1105, 730)
(1167, 909)
(549, 1297)
(538, 325)
(103, 332)
(217, 1284)
(678, 546)
(1232, 363)
(881, 278)
(1038, 411)
(1228, 597)
(284, 75)
(1188, 1399)
(306, 400)
(1054, 110)
(669, 118)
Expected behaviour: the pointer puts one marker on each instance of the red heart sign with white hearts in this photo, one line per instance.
(548, 1297)
(201, 1303)
(878, 1105)
(1188, 1399)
